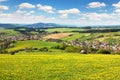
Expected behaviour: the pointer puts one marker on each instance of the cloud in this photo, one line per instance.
(116, 5)
(81, 19)
(24, 18)
(117, 8)
(67, 16)
(65, 13)
(46, 8)
(64, 16)
(3, 0)
(21, 12)
(98, 16)
(29, 13)
(69, 11)
(3, 7)
(26, 6)
(96, 5)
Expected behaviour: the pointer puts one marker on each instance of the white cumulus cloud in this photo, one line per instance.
(21, 12)
(96, 5)
(26, 6)
(116, 5)
(69, 11)
(65, 13)
(3, 7)
(46, 8)
(117, 8)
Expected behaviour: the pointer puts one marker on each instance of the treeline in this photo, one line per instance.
(98, 30)
(27, 49)
(27, 31)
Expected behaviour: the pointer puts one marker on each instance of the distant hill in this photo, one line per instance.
(50, 25)
(43, 25)
(9, 25)
(36, 25)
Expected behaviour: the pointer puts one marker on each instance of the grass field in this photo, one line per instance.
(103, 37)
(9, 32)
(75, 36)
(61, 66)
(64, 29)
(108, 37)
(32, 43)
(57, 36)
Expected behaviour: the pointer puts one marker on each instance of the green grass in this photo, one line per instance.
(9, 32)
(32, 43)
(103, 37)
(64, 29)
(53, 66)
(75, 36)
(106, 37)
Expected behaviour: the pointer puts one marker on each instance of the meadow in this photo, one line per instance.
(9, 32)
(59, 66)
(31, 43)
(64, 29)
(103, 37)
(57, 36)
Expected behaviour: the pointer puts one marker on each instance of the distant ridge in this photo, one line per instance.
(35, 25)
(43, 25)
(3, 25)
(50, 25)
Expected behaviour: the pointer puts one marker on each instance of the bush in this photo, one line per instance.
(56, 47)
(34, 48)
(44, 49)
(30, 49)
(12, 52)
(3, 51)
(72, 49)
(104, 52)
(63, 46)
(21, 50)
(93, 50)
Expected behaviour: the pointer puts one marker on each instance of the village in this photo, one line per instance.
(95, 45)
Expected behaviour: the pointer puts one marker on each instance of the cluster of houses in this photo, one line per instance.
(20, 38)
(96, 45)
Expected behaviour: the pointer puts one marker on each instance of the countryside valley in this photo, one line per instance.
(59, 39)
(59, 52)
(86, 40)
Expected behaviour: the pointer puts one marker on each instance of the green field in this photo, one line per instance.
(75, 36)
(64, 29)
(103, 37)
(61, 66)
(9, 32)
(32, 43)
(58, 64)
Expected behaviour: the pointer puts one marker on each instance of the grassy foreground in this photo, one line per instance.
(50, 66)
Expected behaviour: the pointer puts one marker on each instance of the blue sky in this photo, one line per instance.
(72, 12)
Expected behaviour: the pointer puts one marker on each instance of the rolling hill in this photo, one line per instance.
(35, 25)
